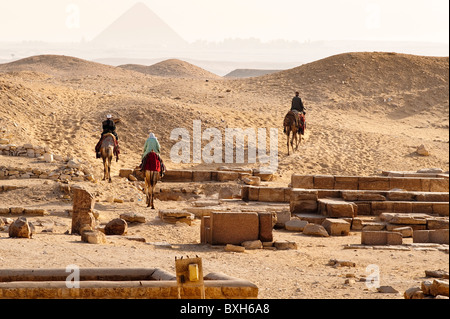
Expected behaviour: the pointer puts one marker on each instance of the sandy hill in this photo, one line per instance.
(366, 111)
(172, 68)
(62, 66)
(248, 73)
(368, 81)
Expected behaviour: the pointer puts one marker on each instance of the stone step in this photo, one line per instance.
(422, 184)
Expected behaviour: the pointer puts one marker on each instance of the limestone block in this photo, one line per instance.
(234, 228)
(271, 194)
(302, 181)
(323, 182)
(282, 218)
(285, 245)
(441, 209)
(373, 183)
(439, 185)
(438, 236)
(178, 176)
(20, 228)
(439, 287)
(362, 196)
(337, 208)
(406, 232)
(381, 238)
(315, 230)
(405, 219)
(296, 225)
(117, 226)
(234, 248)
(227, 176)
(201, 176)
(173, 216)
(252, 244)
(93, 237)
(266, 226)
(437, 223)
(336, 227)
(346, 182)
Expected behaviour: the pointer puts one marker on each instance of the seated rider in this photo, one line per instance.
(297, 105)
(108, 126)
(152, 145)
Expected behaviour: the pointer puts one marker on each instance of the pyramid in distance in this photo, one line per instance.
(139, 27)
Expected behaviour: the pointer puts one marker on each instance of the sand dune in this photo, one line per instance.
(366, 112)
(172, 68)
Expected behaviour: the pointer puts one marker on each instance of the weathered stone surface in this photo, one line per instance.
(374, 183)
(439, 287)
(323, 182)
(414, 293)
(266, 224)
(252, 244)
(20, 228)
(302, 181)
(346, 182)
(439, 236)
(381, 238)
(83, 205)
(133, 217)
(405, 231)
(351, 195)
(285, 245)
(234, 248)
(117, 226)
(437, 274)
(252, 180)
(374, 226)
(93, 237)
(336, 227)
(234, 227)
(315, 230)
(282, 217)
(405, 219)
(174, 216)
(341, 263)
(295, 225)
(387, 290)
(437, 223)
(337, 208)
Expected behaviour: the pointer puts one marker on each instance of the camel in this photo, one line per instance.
(291, 125)
(107, 153)
(151, 168)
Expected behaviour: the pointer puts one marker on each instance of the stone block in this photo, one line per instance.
(303, 194)
(302, 181)
(315, 230)
(373, 183)
(282, 218)
(346, 182)
(234, 228)
(82, 212)
(422, 208)
(253, 194)
(205, 230)
(406, 232)
(400, 196)
(364, 208)
(201, 176)
(323, 182)
(375, 238)
(271, 194)
(432, 197)
(439, 288)
(296, 225)
(178, 176)
(439, 185)
(337, 208)
(266, 227)
(173, 216)
(405, 219)
(303, 206)
(336, 227)
(117, 226)
(438, 236)
(441, 209)
(227, 176)
(437, 223)
(362, 196)
(285, 245)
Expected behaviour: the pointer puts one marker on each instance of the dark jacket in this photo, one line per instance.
(109, 127)
(297, 104)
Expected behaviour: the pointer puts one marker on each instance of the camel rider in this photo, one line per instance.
(108, 126)
(297, 104)
(152, 145)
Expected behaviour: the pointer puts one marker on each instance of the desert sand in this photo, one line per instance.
(366, 112)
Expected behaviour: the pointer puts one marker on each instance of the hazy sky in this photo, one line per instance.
(214, 20)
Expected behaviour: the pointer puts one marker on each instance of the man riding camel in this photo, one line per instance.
(108, 126)
(298, 107)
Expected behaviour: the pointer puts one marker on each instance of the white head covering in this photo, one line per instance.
(109, 116)
(152, 136)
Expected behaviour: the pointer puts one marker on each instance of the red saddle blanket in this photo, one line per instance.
(151, 163)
